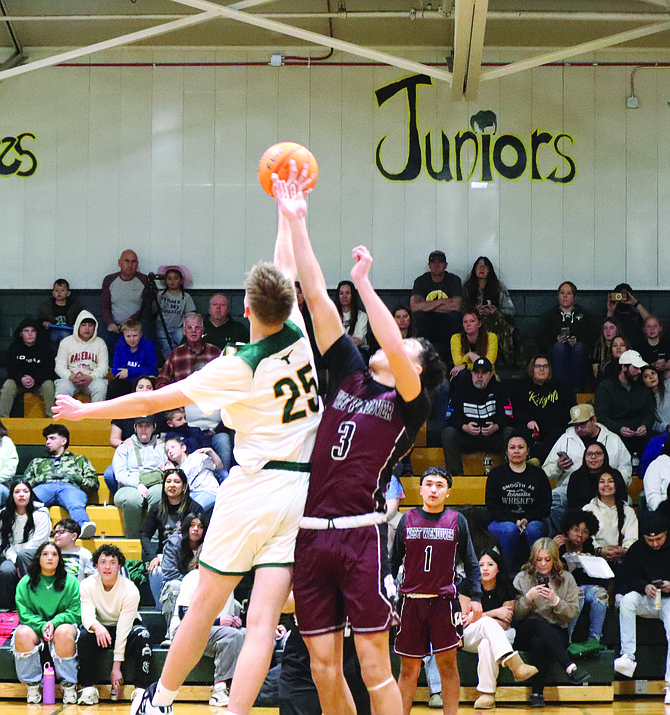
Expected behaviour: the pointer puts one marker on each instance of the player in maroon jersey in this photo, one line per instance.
(427, 542)
(371, 420)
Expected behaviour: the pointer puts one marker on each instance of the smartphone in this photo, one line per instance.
(658, 583)
(617, 297)
(561, 455)
(542, 580)
(566, 332)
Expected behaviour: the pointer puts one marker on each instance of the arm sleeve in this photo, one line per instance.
(131, 602)
(602, 404)
(61, 367)
(398, 548)
(457, 356)
(166, 374)
(120, 462)
(506, 304)
(102, 368)
(542, 505)
(653, 489)
(630, 527)
(523, 606)
(72, 601)
(493, 498)
(40, 534)
(106, 299)
(14, 371)
(25, 607)
(88, 477)
(88, 612)
(45, 368)
(568, 605)
(147, 530)
(468, 557)
(492, 348)
(222, 381)
(633, 577)
(45, 313)
(170, 562)
(361, 328)
(9, 460)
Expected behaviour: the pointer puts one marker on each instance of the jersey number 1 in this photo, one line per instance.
(308, 384)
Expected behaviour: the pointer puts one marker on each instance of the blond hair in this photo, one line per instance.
(270, 294)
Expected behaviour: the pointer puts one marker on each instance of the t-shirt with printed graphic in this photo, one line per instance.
(449, 287)
(511, 495)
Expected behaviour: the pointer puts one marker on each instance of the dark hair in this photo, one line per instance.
(620, 497)
(433, 370)
(8, 515)
(69, 525)
(482, 342)
(491, 290)
(60, 430)
(151, 379)
(572, 286)
(185, 556)
(661, 382)
(34, 570)
(108, 550)
(530, 370)
(3, 430)
(185, 496)
(602, 352)
(575, 517)
(503, 578)
(353, 308)
(411, 330)
(516, 435)
(62, 282)
(437, 472)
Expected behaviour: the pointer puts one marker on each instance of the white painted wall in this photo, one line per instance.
(164, 160)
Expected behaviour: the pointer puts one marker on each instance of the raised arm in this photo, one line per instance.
(385, 329)
(325, 318)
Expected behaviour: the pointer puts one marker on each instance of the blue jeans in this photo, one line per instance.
(204, 498)
(509, 536)
(29, 666)
(4, 493)
(597, 597)
(222, 444)
(66, 495)
(570, 363)
(110, 481)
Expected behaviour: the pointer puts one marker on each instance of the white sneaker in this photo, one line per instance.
(34, 695)
(69, 694)
(88, 530)
(137, 693)
(142, 705)
(89, 696)
(667, 693)
(625, 665)
(219, 695)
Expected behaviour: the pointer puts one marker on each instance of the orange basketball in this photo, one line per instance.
(276, 159)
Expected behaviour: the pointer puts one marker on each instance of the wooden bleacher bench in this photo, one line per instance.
(84, 433)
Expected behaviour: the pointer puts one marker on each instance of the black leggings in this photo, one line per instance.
(138, 652)
(545, 642)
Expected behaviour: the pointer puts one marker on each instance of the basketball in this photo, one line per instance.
(275, 161)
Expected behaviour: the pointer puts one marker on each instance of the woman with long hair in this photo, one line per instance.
(24, 525)
(548, 601)
(472, 343)
(404, 320)
(486, 294)
(653, 379)
(354, 320)
(163, 520)
(583, 482)
(601, 354)
(47, 599)
(611, 367)
(9, 461)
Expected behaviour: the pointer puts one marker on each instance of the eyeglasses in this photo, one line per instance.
(541, 366)
(58, 532)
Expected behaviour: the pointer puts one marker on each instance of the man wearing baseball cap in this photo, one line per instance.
(478, 421)
(646, 572)
(625, 405)
(436, 303)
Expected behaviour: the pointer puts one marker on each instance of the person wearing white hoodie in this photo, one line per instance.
(82, 362)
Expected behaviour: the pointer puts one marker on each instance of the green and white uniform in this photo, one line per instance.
(267, 393)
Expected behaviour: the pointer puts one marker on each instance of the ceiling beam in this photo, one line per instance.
(464, 11)
(348, 47)
(585, 47)
(107, 44)
(476, 50)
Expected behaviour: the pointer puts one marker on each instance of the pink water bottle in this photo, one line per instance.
(48, 685)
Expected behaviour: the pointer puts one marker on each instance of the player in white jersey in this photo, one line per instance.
(267, 392)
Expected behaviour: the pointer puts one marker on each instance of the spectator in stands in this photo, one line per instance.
(472, 343)
(9, 461)
(611, 369)
(655, 348)
(221, 329)
(194, 437)
(122, 294)
(625, 405)
(574, 540)
(518, 497)
(651, 451)
(134, 357)
(646, 574)
(63, 478)
(77, 559)
(24, 526)
(483, 292)
(567, 454)
(657, 481)
(199, 468)
(82, 361)
(174, 304)
(180, 555)
(186, 359)
(436, 303)
(110, 618)
(58, 314)
(225, 641)
(136, 464)
(47, 599)
(566, 333)
(548, 601)
(601, 354)
(583, 482)
(631, 314)
(618, 527)
(30, 367)
(478, 421)
(354, 320)
(541, 408)
(163, 520)
(404, 321)
(653, 379)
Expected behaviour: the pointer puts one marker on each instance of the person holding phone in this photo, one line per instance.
(548, 601)
(629, 311)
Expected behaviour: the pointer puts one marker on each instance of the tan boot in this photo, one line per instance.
(486, 701)
(520, 670)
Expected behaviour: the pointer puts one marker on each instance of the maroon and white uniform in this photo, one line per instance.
(340, 555)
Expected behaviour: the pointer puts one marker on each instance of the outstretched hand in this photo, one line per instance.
(291, 201)
(67, 408)
(362, 263)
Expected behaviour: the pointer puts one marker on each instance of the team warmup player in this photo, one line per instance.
(427, 542)
(267, 392)
(370, 422)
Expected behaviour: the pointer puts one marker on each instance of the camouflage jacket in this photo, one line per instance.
(73, 468)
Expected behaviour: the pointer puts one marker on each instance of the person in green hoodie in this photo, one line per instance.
(47, 599)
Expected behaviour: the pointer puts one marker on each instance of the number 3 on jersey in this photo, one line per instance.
(287, 384)
(346, 431)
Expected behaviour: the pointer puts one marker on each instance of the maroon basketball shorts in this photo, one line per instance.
(428, 621)
(340, 574)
